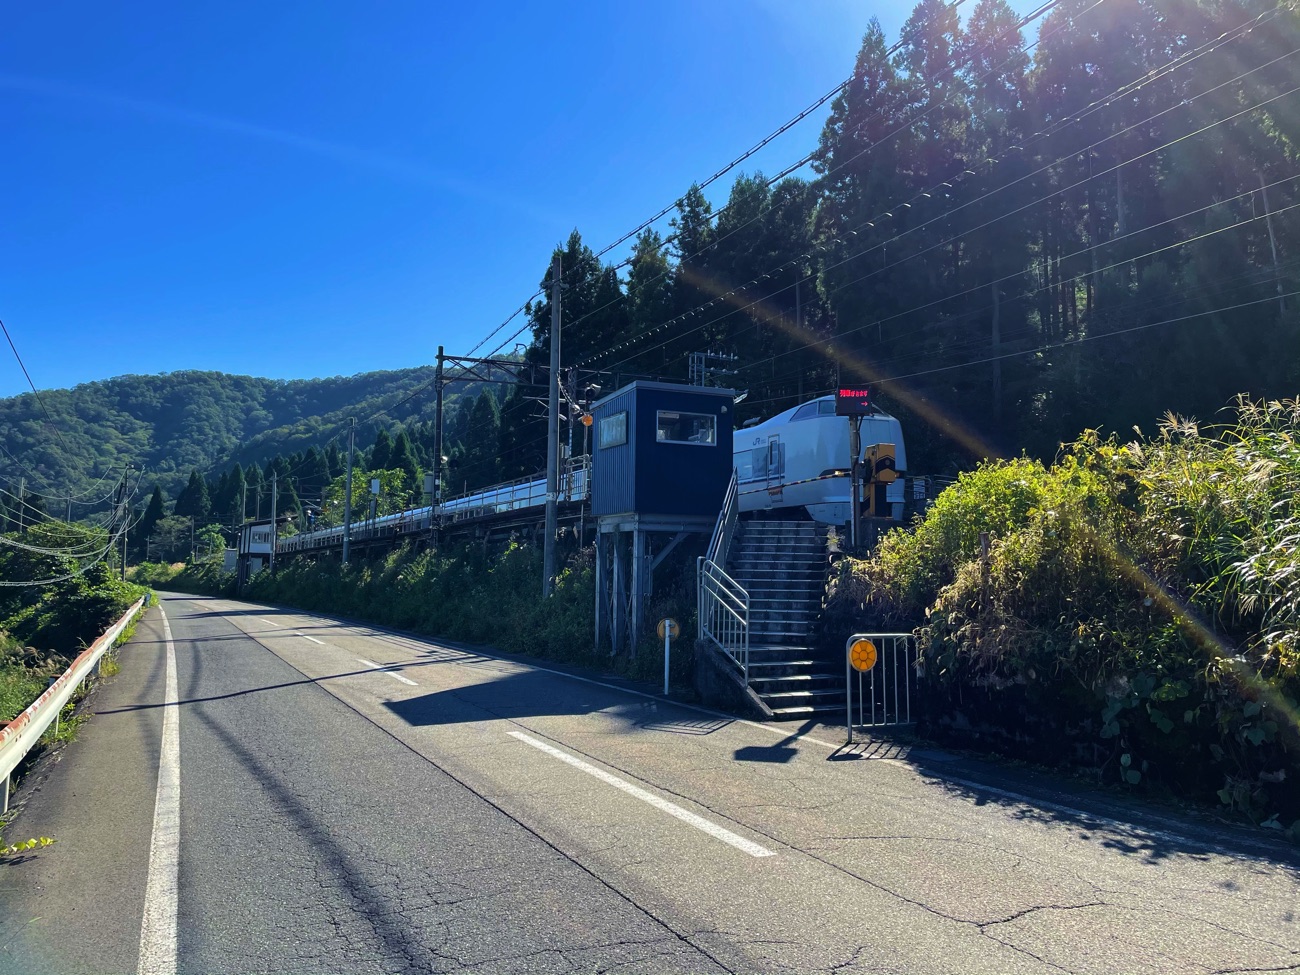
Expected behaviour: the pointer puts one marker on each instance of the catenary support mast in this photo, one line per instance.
(553, 433)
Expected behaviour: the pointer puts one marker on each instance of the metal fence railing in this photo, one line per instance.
(20, 735)
(880, 680)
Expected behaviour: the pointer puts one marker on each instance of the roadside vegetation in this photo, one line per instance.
(204, 577)
(1137, 613)
(470, 596)
(43, 627)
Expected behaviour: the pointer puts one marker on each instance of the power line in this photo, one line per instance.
(955, 237)
(23, 366)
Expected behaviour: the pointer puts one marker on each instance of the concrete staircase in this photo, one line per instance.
(783, 566)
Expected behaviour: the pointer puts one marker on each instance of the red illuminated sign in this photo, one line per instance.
(852, 401)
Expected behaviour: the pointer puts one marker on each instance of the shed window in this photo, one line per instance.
(699, 428)
(613, 430)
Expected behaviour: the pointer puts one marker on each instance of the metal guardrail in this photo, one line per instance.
(884, 688)
(20, 735)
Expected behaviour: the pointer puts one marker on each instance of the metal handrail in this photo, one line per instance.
(723, 613)
(720, 544)
(722, 604)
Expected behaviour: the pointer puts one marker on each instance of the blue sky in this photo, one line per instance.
(316, 189)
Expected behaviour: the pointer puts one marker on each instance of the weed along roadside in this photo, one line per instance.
(56, 640)
(1135, 615)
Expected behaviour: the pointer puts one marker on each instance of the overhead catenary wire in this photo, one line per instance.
(22, 365)
(897, 46)
(830, 340)
(949, 240)
(911, 122)
(899, 205)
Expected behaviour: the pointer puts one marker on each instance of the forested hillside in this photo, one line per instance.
(170, 424)
(1013, 233)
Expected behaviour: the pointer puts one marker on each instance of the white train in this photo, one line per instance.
(800, 458)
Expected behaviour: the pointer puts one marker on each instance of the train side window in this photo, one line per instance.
(826, 407)
(744, 466)
(695, 428)
(758, 458)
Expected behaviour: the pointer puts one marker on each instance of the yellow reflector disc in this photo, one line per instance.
(862, 655)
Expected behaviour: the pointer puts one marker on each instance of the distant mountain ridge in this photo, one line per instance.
(172, 423)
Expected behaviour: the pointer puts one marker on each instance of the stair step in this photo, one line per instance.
(805, 711)
(805, 694)
(800, 677)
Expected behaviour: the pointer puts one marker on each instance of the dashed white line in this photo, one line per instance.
(158, 925)
(269, 623)
(311, 638)
(383, 668)
(685, 815)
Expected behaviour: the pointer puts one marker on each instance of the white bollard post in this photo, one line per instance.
(667, 638)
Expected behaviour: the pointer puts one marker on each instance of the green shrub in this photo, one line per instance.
(1139, 609)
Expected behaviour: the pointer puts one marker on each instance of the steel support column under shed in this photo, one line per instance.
(625, 565)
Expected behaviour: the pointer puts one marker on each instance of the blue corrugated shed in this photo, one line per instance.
(661, 449)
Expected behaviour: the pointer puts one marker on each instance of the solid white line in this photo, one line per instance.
(158, 925)
(798, 736)
(699, 822)
(383, 668)
(311, 638)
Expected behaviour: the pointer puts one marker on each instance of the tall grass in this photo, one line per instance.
(1138, 612)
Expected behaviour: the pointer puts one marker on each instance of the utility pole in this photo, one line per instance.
(436, 501)
(275, 530)
(347, 492)
(552, 434)
(855, 478)
(119, 522)
(126, 519)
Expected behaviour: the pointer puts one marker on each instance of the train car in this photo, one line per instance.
(800, 459)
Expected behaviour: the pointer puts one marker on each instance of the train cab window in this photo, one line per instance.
(696, 428)
(821, 407)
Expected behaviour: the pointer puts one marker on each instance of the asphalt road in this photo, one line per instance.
(352, 800)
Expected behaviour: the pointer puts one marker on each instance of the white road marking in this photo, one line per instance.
(383, 668)
(158, 926)
(686, 816)
(311, 638)
(511, 666)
